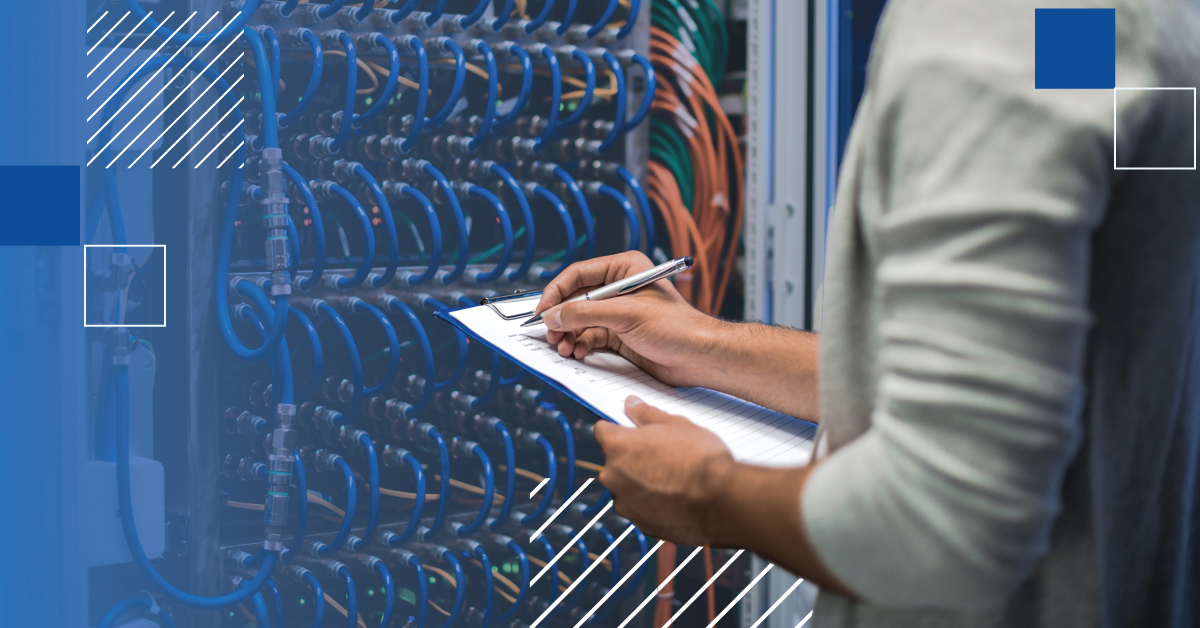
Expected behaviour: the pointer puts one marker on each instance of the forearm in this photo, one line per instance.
(759, 509)
(774, 367)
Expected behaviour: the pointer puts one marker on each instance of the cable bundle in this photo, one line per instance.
(696, 159)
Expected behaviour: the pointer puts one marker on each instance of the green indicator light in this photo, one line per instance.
(370, 592)
(303, 601)
(433, 581)
(495, 568)
(370, 100)
(499, 102)
(561, 106)
(572, 106)
(507, 569)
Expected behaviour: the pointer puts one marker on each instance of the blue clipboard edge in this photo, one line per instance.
(445, 316)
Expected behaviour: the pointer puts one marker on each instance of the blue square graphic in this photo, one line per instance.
(41, 205)
(1075, 48)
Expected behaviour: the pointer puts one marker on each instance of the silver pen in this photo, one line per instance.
(627, 285)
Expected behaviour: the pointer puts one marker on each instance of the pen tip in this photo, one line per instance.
(687, 261)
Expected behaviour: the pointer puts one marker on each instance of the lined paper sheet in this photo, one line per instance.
(753, 433)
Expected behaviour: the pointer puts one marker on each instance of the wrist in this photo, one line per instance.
(712, 506)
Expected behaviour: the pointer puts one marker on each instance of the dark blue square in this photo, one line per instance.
(41, 205)
(1075, 48)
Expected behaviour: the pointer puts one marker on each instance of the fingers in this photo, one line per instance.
(619, 315)
(591, 273)
(644, 414)
(606, 431)
(590, 340)
(566, 345)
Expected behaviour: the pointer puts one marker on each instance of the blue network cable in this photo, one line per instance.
(526, 215)
(488, 581)
(392, 304)
(314, 585)
(589, 90)
(636, 582)
(245, 312)
(604, 19)
(140, 603)
(551, 473)
(443, 455)
(389, 222)
(466, 21)
(393, 344)
(489, 488)
(322, 550)
(422, 580)
(614, 557)
(330, 9)
(541, 18)
(506, 229)
(618, 126)
(274, 54)
(352, 352)
(635, 7)
(368, 259)
(515, 50)
(318, 357)
(568, 435)
(347, 124)
(445, 44)
(585, 212)
(460, 220)
(555, 96)
(503, 15)
(523, 568)
(379, 41)
(282, 356)
(351, 598)
(565, 25)
(568, 226)
(306, 283)
(364, 12)
(585, 561)
(644, 204)
(397, 16)
(544, 543)
(397, 189)
(433, 16)
(288, 7)
(460, 588)
(510, 464)
(314, 78)
(261, 617)
(631, 216)
(493, 90)
(414, 45)
(604, 498)
(276, 600)
(391, 539)
(460, 367)
(373, 477)
(647, 98)
(389, 593)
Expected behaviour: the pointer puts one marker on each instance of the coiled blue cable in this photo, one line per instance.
(555, 97)
(276, 601)
(275, 55)
(318, 357)
(314, 79)
(270, 121)
(631, 216)
(328, 11)
(489, 584)
(506, 230)
(526, 215)
(460, 221)
(468, 20)
(548, 492)
(373, 475)
(355, 361)
(389, 223)
(526, 83)
(325, 551)
(585, 561)
(351, 598)
(644, 204)
(489, 492)
(246, 313)
(568, 435)
(396, 305)
(368, 259)
(510, 468)
(433, 16)
(502, 17)
(618, 126)
(614, 556)
(318, 598)
(414, 520)
(568, 18)
(493, 87)
(422, 590)
(288, 7)
(604, 19)
(541, 18)
(647, 98)
(129, 527)
(542, 541)
(179, 39)
(589, 90)
(635, 7)
(314, 212)
(393, 345)
(363, 12)
(414, 44)
(636, 582)
(523, 568)
(389, 593)
(460, 76)
(398, 15)
(460, 367)
(389, 85)
(435, 228)
(515, 379)
(283, 358)
(460, 589)
(568, 227)
(347, 125)
(493, 384)
(261, 616)
(140, 603)
(585, 212)
(444, 479)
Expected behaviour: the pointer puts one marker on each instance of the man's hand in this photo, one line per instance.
(655, 328)
(663, 474)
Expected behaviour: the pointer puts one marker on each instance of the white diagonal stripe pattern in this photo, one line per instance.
(110, 31)
(97, 22)
(538, 487)
(798, 582)
(197, 121)
(740, 595)
(180, 95)
(805, 620)
(156, 73)
(119, 44)
(129, 56)
(660, 586)
(560, 510)
(620, 583)
(704, 588)
(131, 75)
(218, 144)
(232, 153)
(568, 546)
(596, 563)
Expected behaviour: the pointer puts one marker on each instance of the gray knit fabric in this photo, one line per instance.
(1010, 360)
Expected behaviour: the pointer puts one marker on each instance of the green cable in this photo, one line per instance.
(412, 229)
(667, 139)
(332, 217)
(687, 185)
(482, 257)
(670, 20)
(559, 255)
(385, 351)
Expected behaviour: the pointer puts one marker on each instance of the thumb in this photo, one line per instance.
(644, 414)
(619, 315)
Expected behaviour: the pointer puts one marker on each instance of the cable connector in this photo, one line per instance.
(332, 37)
(343, 169)
(348, 17)
(351, 438)
(397, 410)
(295, 574)
(393, 456)
(326, 461)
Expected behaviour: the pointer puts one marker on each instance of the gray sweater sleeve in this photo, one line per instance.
(987, 192)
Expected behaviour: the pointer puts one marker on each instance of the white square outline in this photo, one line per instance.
(1195, 125)
(113, 246)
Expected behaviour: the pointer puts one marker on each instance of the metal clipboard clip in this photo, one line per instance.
(492, 301)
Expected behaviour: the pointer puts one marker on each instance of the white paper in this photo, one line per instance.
(753, 433)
